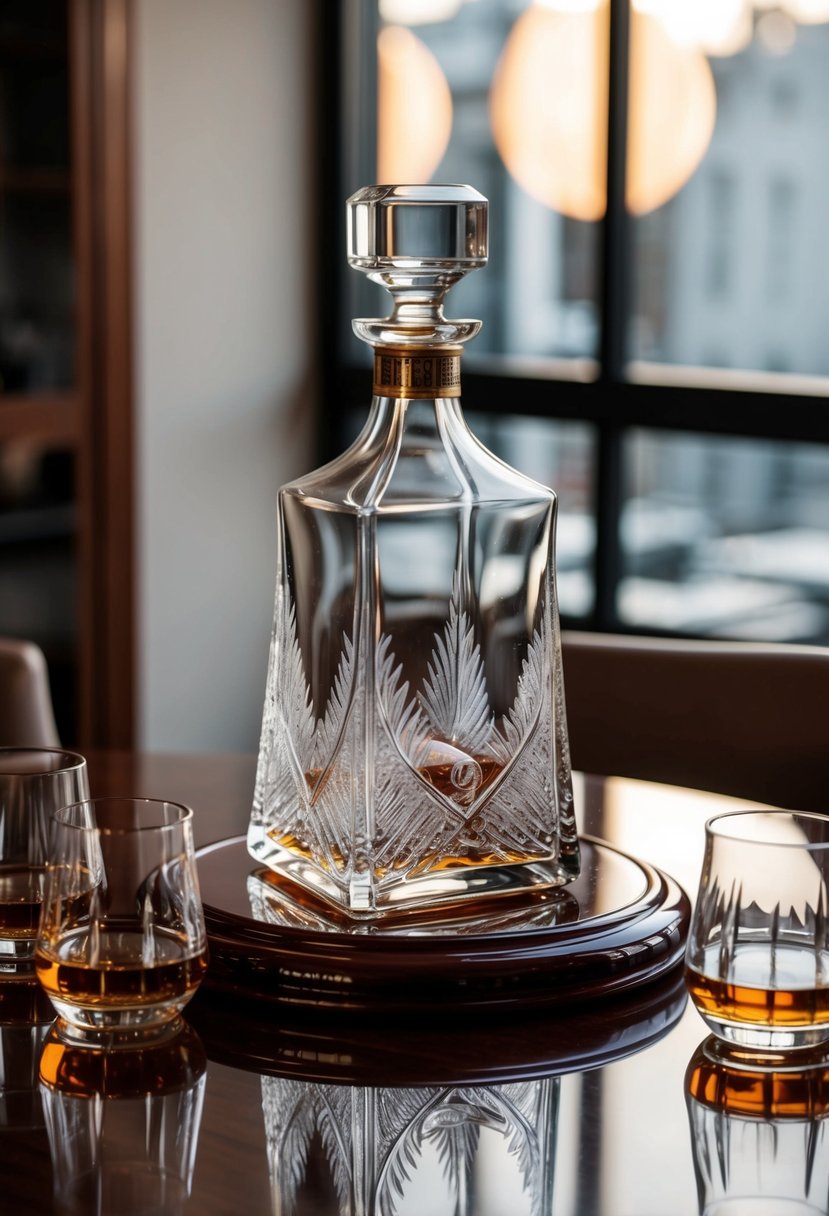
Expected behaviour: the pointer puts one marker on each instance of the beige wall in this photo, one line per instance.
(223, 131)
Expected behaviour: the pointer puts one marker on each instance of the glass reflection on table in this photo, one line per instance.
(25, 1018)
(123, 1124)
(759, 1130)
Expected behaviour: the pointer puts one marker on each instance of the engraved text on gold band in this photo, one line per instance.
(414, 374)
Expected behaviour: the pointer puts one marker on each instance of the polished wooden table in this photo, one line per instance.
(582, 1113)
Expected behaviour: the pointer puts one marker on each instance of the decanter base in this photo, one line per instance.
(365, 895)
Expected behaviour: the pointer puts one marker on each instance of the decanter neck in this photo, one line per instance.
(407, 372)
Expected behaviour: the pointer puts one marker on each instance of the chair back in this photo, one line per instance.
(740, 718)
(27, 717)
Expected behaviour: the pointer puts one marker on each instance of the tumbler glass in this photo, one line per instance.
(757, 961)
(122, 944)
(34, 783)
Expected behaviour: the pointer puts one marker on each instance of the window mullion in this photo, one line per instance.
(614, 296)
(615, 270)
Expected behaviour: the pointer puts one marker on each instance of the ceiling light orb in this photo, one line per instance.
(414, 107)
(672, 113)
(548, 109)
(808, 12)
(717, 27)
(418, 12)
(570, 6)
(776, 32)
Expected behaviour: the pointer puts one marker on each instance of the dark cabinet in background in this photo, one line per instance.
(66, 550)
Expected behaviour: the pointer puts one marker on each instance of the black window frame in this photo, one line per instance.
(796, 409)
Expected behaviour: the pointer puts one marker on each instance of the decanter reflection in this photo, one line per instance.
(348, 1150)
(759, 1131)
(123, 1124)
(414, 745)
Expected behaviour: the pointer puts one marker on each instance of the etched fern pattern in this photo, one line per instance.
(454, 697)
(498, 794)
(394, 1129)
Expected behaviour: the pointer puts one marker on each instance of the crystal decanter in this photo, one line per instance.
(414, 744)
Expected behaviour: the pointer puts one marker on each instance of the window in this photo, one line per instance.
(656, 301)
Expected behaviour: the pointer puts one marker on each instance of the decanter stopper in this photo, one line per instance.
(417, 241)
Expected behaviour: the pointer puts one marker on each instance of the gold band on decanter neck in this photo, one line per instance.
(401, 372)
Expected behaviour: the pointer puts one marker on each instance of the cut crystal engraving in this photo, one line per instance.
(444, 772)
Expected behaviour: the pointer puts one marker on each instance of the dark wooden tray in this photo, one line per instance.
(241, 1032)
(622, 924)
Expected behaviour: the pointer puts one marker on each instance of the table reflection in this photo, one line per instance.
(403, 1119)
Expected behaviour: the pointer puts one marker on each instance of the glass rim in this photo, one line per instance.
(717, 827)
(184, 815)
(75, 759)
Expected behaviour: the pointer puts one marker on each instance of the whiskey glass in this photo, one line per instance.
(34, 783)
(757, 959)
(122, 944)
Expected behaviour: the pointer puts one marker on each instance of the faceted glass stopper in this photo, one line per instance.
(417, 241)
(412, 226)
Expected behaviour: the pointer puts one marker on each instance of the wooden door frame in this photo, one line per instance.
(101, 52)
